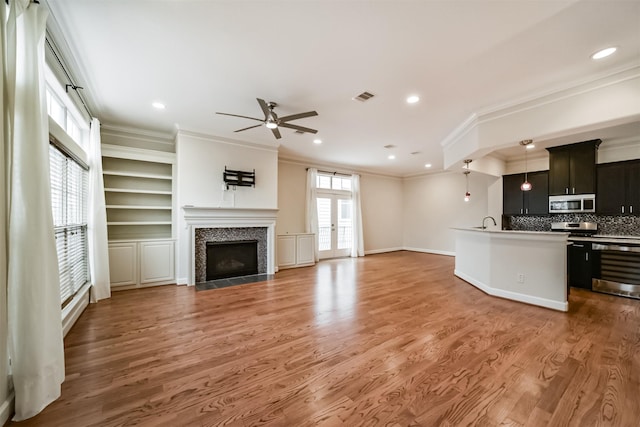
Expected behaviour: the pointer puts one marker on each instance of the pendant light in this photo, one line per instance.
(526, 185)
(467, 195)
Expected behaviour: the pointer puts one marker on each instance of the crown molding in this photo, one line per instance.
(538, 100)
(228, 141)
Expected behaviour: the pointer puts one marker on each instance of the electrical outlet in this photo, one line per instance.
(520, 277)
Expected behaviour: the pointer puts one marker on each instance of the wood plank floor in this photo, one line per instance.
(391, 339)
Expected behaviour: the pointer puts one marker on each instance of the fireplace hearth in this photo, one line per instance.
(231, 259)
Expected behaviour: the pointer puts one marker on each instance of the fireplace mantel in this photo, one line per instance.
(215, 217)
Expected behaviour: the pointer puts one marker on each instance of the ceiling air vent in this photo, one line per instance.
(364, 96)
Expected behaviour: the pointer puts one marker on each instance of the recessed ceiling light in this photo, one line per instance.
(391, 157)
(317, 141)
(603, 53)
(428, 165)
(158, 105)
(530, 146)
(413, 99)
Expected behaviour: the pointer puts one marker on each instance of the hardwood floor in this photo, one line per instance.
(391, 339)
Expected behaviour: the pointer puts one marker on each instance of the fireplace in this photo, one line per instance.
(232, 259)
(207, 224)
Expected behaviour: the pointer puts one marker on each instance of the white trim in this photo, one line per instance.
(182, 281)
(228, 141)
(382, 251)
(430, 251)
(7, 408)
(138, 134)
(74, 309)
(212, 217)
(132, 153)
(514, 296)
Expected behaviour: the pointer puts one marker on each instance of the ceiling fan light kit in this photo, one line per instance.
(273, 122)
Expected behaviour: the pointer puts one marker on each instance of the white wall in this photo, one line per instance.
(435, 203)
(200, 163)
(381, 199)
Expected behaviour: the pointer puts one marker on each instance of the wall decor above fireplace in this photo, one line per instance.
(238, 178)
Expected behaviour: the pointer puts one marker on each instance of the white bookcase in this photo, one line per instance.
(139, 189)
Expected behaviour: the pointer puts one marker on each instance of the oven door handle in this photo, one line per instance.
(601, 247)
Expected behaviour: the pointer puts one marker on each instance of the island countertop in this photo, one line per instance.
(525, 266)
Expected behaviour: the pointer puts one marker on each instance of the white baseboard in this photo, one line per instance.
(182, 281)
(514, 296)
(381, 251)
(7, 409)
(430, 251)
(74, 309)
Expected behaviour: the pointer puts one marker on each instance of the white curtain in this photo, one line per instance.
(97, 220)
(311, 209)
(357, 249)
(34, 315)
(4, 137)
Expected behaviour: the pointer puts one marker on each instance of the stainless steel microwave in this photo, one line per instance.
(572, 203)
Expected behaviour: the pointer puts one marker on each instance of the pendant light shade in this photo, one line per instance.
(526, 185)
(467, 195)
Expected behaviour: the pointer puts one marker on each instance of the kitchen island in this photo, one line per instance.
(525, 266)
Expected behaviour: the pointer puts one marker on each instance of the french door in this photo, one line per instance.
(335, 225)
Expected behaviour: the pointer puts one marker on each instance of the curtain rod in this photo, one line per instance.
(332, 173)
(66, 73)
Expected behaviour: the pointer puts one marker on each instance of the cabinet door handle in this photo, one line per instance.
(566, 190)
(630, 208)
(574, 190)
(520, 210)
(622, 208)
(586, 256)
(575, 245)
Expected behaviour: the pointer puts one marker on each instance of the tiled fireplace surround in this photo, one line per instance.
(226, 224)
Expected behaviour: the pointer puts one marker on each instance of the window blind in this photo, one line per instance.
(69, 181)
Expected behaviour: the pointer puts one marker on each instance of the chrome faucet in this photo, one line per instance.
(492, 219)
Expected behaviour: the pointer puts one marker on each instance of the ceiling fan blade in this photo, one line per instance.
(244, 117)
(276, 133)
(264, 107)
(297, 116)
(250, 127)
(296, 127)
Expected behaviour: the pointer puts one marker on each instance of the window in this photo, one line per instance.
(333, 182)
(69, 206)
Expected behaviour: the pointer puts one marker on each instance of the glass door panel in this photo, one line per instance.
(335, 229)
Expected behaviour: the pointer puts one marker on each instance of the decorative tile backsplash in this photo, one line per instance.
(204, 235)
(617, 225)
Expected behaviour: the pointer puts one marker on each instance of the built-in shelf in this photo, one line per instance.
(140, 223)
(138, 207)
(131, 190)
(137, 174)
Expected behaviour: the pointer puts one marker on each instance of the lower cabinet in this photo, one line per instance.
(296, 250)
(134, 264)
(580, 265)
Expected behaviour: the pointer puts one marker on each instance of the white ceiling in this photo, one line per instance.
(460, 57)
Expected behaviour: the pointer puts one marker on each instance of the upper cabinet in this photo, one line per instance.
(518, 202)
(572, 168)
(618, 185)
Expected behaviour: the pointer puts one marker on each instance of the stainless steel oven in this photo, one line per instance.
(616, 269)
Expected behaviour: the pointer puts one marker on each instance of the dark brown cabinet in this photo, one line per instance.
(580, 265)
(572, 168)
(618, 188)
(518, 202)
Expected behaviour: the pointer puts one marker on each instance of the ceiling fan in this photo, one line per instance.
(273, 122)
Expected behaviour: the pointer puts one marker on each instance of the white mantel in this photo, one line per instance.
(215, 217)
